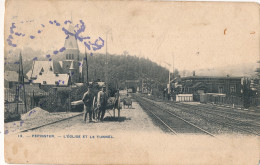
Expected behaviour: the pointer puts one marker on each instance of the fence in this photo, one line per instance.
(255, 102)
(15, 100)
(184, 97)
(228, 100)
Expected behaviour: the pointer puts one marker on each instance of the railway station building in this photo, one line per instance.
(224, 86)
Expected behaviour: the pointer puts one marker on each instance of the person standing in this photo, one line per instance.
(117, 102)
(102, 102)
(87, 99)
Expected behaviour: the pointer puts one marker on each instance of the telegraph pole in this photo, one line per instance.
(172, 66)
(173, 75)
(86, 58)
(169, 82)
(21, 80)
(106, 74)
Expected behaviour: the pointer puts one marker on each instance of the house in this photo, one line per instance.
(48, 73)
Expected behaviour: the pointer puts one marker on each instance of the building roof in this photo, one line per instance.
(198, 84)
(209, 77)
(216, 94)
(132, 81)
(52, 79)
(44, 67)
(11, 76)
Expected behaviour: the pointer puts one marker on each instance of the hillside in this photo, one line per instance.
(120, 68)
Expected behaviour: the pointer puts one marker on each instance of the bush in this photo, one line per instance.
(55, 102)
(11, 116)
(77, 94)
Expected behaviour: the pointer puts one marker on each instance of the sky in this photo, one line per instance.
(189, 35)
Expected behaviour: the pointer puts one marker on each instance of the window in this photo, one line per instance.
(220, 90)
(232, 89)
(67, 56)
(72, 56)
(44, 82)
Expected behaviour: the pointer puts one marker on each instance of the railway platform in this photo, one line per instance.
(131, 119)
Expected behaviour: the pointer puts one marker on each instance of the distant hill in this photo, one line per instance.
(247, 70)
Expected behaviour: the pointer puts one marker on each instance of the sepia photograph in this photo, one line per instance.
(131, 82)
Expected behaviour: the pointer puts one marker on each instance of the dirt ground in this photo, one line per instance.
(35, 118)
(131, 119)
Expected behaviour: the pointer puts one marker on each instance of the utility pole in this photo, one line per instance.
(17, 96)
(106, 74)
(21, 80)
(172, 66)
(173, 75)
(86, 58)
(169, 82)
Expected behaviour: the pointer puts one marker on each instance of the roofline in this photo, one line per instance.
(209, 77)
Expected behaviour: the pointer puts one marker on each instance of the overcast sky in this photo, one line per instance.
(199, 35)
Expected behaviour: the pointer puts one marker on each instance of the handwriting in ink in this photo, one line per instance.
(77, 33)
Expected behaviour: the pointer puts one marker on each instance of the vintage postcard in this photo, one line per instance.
(131, 82)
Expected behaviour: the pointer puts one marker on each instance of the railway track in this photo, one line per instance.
(232, 123)
(233, 110)
(171, 121)
(251, 117)
(248, 114)
(239, 118)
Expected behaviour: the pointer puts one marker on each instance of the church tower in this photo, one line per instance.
(70, 62)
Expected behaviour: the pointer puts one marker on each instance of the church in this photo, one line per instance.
(69, 70)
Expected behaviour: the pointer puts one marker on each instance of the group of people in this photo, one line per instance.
(94, 105)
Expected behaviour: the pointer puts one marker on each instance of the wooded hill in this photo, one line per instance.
(125, 67)
(120, 68)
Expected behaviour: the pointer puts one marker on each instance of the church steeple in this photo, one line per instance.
(72, 50)
(71, 55)
(71, 16)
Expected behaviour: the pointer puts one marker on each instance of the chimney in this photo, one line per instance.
(194, 73)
